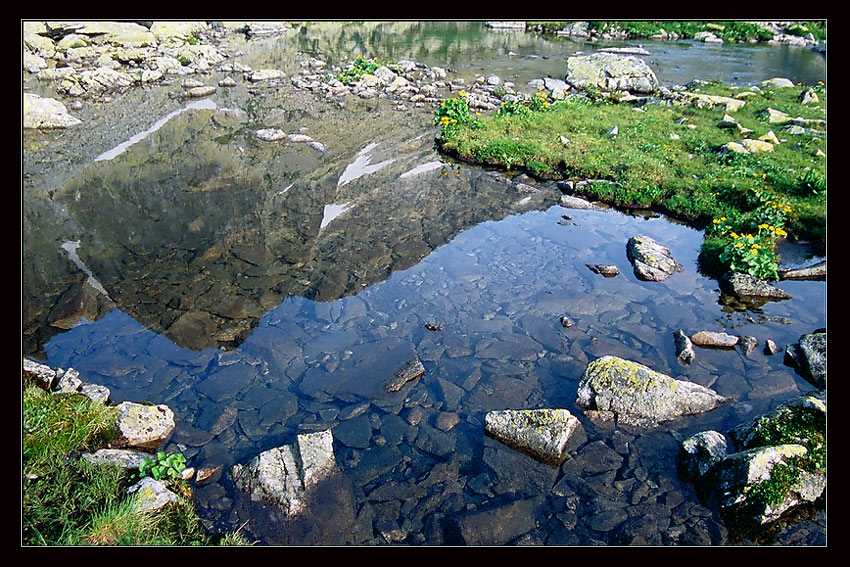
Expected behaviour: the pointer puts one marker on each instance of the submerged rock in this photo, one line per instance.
(542, 434)
(640, 395)
(411, 371)
(284, 475)
(652, 261)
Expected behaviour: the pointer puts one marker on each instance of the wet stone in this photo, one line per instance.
(354, 433)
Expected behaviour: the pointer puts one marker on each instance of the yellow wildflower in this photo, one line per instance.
(462, 94)
(780, 232)
(739, 244)
(762, 226)
(754, 250)
(735, 235)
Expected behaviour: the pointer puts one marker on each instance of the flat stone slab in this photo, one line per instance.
(542, 434)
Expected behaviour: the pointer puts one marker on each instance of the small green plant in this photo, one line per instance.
(359, 67)
(163, 466)
(452, 113)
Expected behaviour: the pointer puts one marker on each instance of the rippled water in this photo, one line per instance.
(262, 291)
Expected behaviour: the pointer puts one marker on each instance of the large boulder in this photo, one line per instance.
(542, 433)
(639, 395)
(142, 426)
(284, 475)
(611, 72)
(651, 261)
(766, 482)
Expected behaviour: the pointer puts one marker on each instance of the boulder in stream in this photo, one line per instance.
(639, 395)
(541, 433)
(651, 261)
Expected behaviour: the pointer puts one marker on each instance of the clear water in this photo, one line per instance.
(264, 291)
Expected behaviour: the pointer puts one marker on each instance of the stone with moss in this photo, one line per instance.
(761, 484)
(639, 395)
(542, 433)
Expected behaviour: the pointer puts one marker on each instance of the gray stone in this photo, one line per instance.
(46, 114)
(611, 72)
(151, 495)
(142, 426)
(542, 434)
(639, 394)
(699, 453)
(684, 348)
(124, 458)
(739, 473)
(714, 339)
(284, 475)
(607, 270)
(651, 261)
(812, 362)
(745, 286)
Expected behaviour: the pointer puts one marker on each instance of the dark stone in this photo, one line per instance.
(500, 524)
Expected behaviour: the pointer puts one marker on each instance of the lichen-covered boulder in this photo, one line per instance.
(542, 433)
(284, 475)
(142, 426)
(639, 395)
(611, 72)
(651, 261)
(762, 483)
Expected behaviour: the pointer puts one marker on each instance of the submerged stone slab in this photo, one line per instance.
(542, 434)
(640, 395)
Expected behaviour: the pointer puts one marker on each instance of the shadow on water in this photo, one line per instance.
(266, 289)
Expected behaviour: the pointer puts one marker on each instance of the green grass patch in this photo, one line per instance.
(668, 156)
(68, 501)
